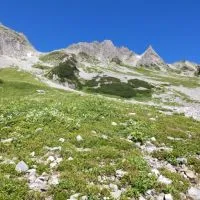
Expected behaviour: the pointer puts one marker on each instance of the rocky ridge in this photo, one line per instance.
(14, 44)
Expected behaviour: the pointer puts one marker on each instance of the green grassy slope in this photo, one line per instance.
(60, 114)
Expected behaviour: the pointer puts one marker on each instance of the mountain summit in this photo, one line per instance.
(150, 57)
(104, 51)
(14, 44)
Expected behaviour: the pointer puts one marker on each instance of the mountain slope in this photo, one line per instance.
(14, 44)
(90, 146)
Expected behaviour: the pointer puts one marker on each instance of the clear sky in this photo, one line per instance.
(172, 27)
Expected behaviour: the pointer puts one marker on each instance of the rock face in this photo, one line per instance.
(21, 167)
(14, 44)
(194, 193)
(185, 66)
(149, 58)
(104, 51)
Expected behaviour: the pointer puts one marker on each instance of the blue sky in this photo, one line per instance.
(172, 27)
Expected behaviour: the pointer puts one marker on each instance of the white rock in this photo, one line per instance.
(41, 91)
(168, 197)
(53, 164)
(32, 154)
(38, 130)
(31, 171)
(21, 167)
(190, 174)
(53, 180)
(54, 148)
(141, 198)
(61, 140)
(74, 196)
(79, 138)
(120, 173)
(84, 198)
(156, 172)
(7, 140)
(105, 137)
(8, 161)
(114, 124)
(38, 185)
(50, 158)
(32, 178)
(58, 160)
(116, 194)
(132, 114)
(113, 187)
(93, 132)
(182, 160)
(149, 147)
(194, 193)
(164, 180)
(153, 139)
(70, 158)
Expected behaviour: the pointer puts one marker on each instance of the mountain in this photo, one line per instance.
(185, 65)
(14, 44)
(150, 58)
(104, 52)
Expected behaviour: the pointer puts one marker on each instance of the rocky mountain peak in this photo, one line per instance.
(104, 51)
(150, 57)
(14, 44)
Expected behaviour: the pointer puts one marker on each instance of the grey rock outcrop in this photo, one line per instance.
(149, 58)
(14, 44)
(104, 51)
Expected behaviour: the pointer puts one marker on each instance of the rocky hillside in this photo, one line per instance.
(128, 128)
(14, 44)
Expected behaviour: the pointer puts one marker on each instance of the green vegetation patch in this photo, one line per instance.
(113, 86)
(60, 114)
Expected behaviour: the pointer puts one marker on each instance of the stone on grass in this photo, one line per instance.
(21, 167)
(194, 193)
(53, 180)
(168, 197)
(50, 158)
(79, 138)
(32, 154)
(58, 160)
(105, 137)
(132, 114)
(70, 158)
(156, 172)
(7, 140)
(61, 140)
(181, 160)
(164, 180)
(120, 173)
(53, 164)
(84, 198)
(116, 194)
(74, 196)
(38, 130)
(114, 124)
(190, 174)
(153, 139)
(40, 91)
(38, 185)
(113, 187)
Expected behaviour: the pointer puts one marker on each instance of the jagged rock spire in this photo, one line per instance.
(150, 57)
